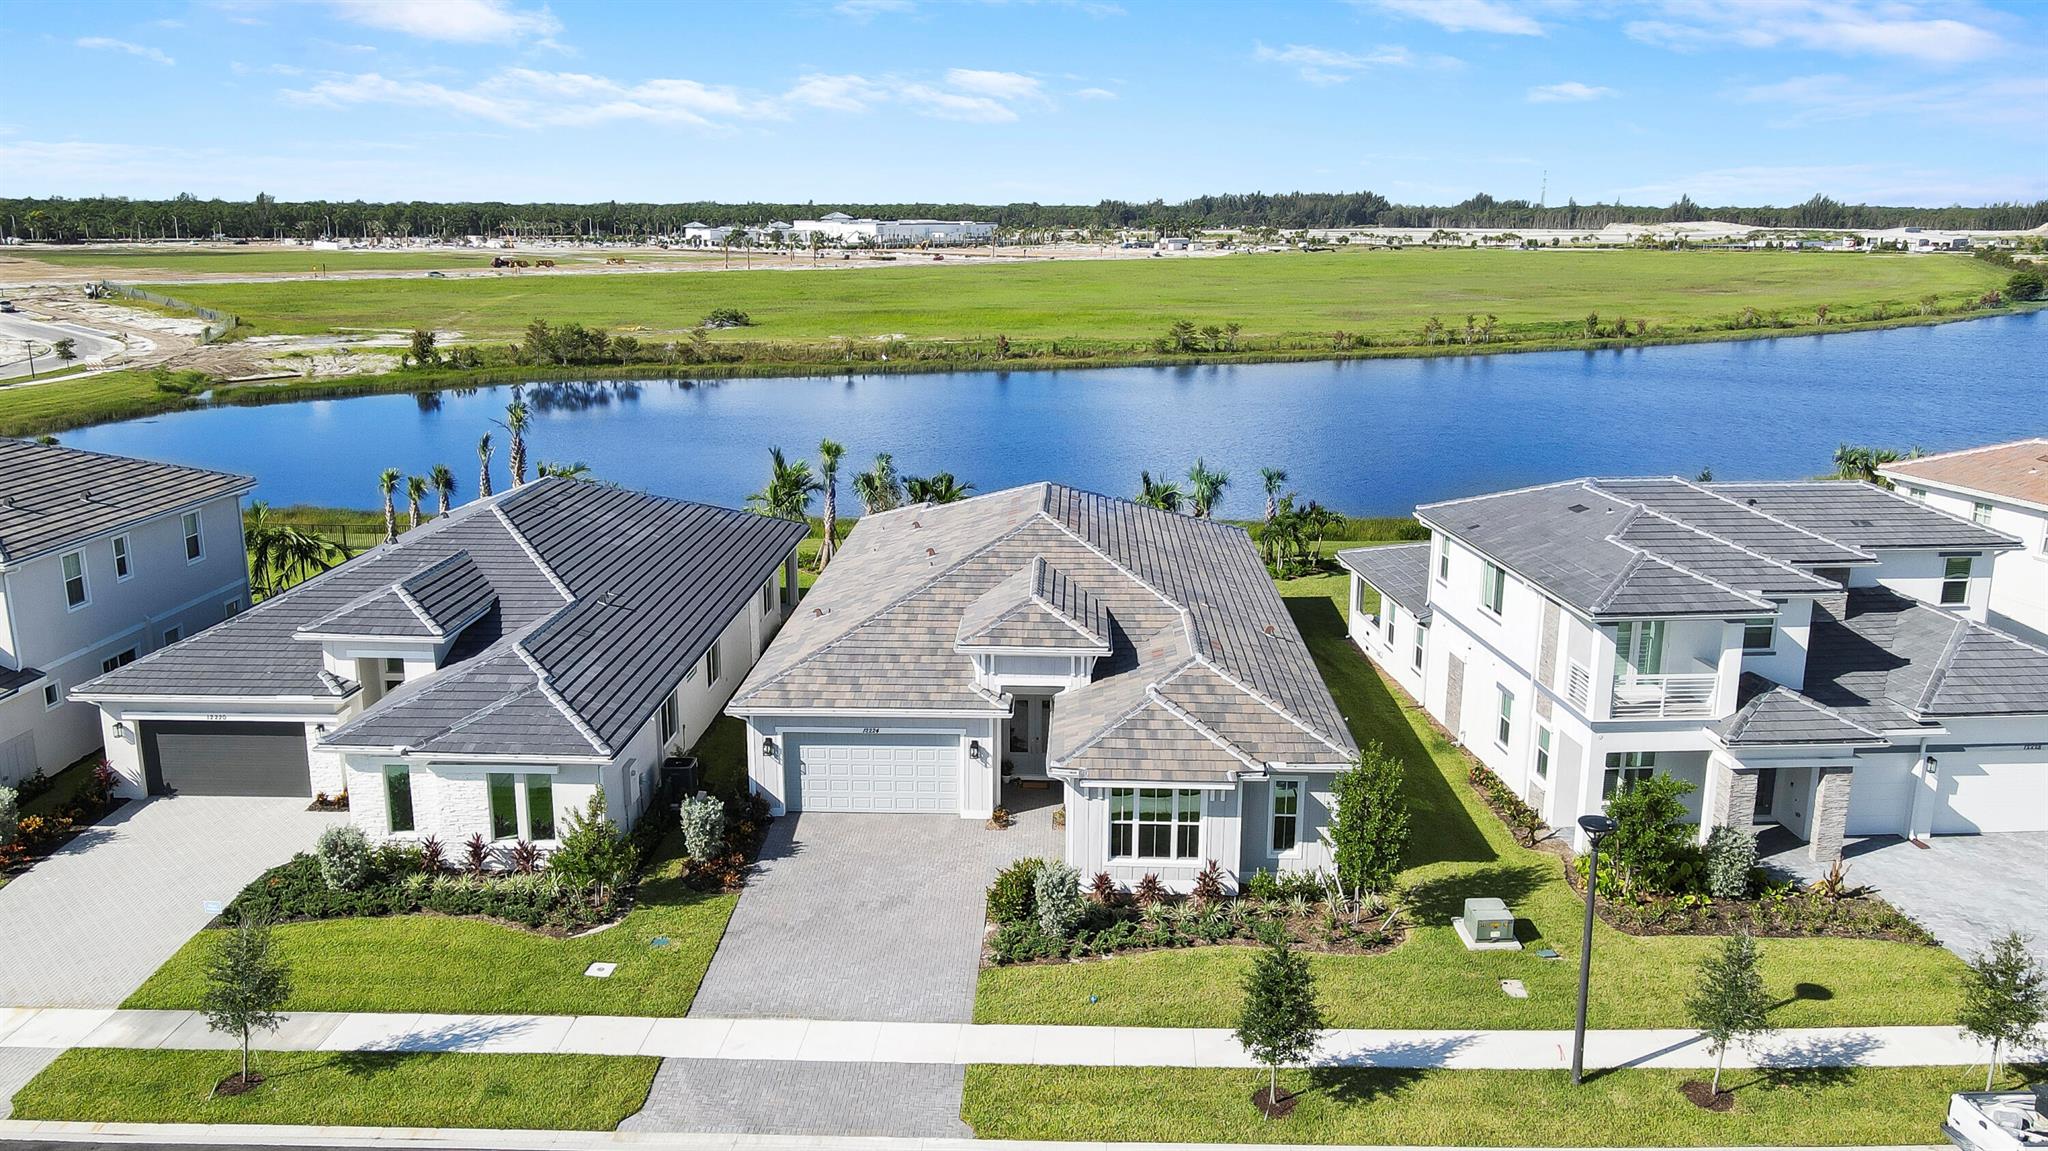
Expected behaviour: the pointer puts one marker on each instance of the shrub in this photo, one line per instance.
(1013, 897)
(433, 859)
(344, 857)
(1208, 888)
(593, 856)
(10, 816)
(1262, 886)
(1149, 890)
(524, 858)
(1731, 856)
(1370, 826)
(1103, 888)
(1652, 846)
(727, 318)
(1057, 891)
(2026, 284)
(703, 826)
(476, 853)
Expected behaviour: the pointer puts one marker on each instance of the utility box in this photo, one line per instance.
(1487, 925)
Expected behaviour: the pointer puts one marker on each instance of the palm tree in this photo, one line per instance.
(443, 482)
(483, 466)
(388, 481)
(828, 469)
(415, 491)
(1205, 487)
(1162, 494)
(576, 471)
(281, 554)
(515, 422)
(789, 491)
(937, 488)
(1856, 462)
(1275, 479)
(878, 488)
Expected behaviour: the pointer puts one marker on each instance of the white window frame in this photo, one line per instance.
(124, 559)
(116, 661)
(230, 608)
(391, 771)
(1622, 767)
(1181, 801)
(385, 671)
(1421, 644)
(768, 596)
(1443, 562)
(1961, 583)
(1543, 738)
(1387, 609)
(1769, 626)
(1918, 494)
(711, 665)
(1493, 589)
(84, 581)
(522, 806)
(1980, 513)
(195, 537)
(670, 723)
(1295, 789)
(173, 634)
(1504, 724)
(53, 696)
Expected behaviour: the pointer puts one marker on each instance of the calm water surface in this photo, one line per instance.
(1363, 436)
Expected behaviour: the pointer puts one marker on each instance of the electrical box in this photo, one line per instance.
(1488, 921)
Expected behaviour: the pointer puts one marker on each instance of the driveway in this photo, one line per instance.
(1966, 889)
(86, 927)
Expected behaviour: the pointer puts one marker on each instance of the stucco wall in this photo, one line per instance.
(1088, 840)
(452, 803)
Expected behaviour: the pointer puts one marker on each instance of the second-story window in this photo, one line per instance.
(1955, 580)
(1443, 562)
(1759, 635)
(1980, 513)
(1421, 635)
(195, 547)
(122, 566)
(1493, 588)
(77, 592)
(1917, 493)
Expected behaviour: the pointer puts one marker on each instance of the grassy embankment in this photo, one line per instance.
(1068, 314)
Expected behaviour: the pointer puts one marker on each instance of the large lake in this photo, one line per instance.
(1375, 436)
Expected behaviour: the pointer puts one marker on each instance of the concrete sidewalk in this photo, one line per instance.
(953, 1044)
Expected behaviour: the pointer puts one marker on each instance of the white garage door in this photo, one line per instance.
(1993, 796)
(888, 773)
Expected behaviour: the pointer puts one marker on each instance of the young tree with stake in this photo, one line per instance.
(246, 983)
(1730, 1004)
(1282, 1022)
(2005, 998)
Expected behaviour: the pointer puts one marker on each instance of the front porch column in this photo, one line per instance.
(1730, 799)
(1830, 813)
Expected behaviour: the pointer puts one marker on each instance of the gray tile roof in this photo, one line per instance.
(1730, 519)
(1038, 608)
(14, 679)
(604, 598)
(879, 628)
(51, 496)
(1769, 714)
(1863, 516)
(432, 603)
(1886, 661)
(1399, 572)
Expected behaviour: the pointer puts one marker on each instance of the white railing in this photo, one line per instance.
(1662, 696)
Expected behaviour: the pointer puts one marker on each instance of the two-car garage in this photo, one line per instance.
(219, 757)
(892, 772)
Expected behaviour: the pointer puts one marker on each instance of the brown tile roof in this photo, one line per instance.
(2016, 471)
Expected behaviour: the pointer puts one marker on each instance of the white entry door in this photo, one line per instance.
(877, 773)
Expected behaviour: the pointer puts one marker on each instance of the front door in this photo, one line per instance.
(1763, 811)
(1030, 720)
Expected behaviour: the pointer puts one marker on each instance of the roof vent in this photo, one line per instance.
(818, 613)
(930, 553)
(1269, 630)
(1751, 501)
(915, 524)
(1861, 524)
(1577, 508)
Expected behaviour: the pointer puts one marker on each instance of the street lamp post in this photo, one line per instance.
(1596, 827)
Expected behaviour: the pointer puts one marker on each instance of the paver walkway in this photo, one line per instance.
(86, 927)
(749, 1043)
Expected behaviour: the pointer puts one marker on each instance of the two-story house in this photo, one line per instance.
(484, 674)
(2005, 488)
(1810, 655)
(103, 560)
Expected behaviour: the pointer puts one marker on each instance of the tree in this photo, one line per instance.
(1370, 826)
(1205, 487)
(443, 482)
(1653, 836)
(1274, 479)
(66, 349)
(2005, 998)
(515, 423)
(387, 481)
(1281, 1022)
(576, 471)
(415, 491)
(282, 554)
(878, 488)
(1858, 462)
(1729, 1004)
(1162, 494)
(789, 491)
(937, 488)
(829, 452)
(483, 466)
(420, 345)
(1180, 336)
(247, 983)
(2025, 284)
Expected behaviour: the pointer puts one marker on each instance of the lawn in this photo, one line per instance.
(377, 964)
(1460, 849)
(1393, 1107)
(561, 1092)
(1378, 294)
(252, 260)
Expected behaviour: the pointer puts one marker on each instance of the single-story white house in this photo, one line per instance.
(1140, 661)
(486, 673)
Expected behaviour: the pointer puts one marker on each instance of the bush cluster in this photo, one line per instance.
(1521, 819)
(1106, 930)
(1013, 897)
(394, 883)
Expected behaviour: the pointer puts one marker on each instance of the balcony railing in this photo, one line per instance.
(1662, 696)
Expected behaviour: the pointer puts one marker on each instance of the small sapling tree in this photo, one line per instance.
(1730, 1004)
(246, 983)
(2005, 998)
(1281, 1022)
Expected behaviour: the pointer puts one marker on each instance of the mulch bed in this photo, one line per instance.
(235, 1085)
(1701, 1094)
(1273, 1108)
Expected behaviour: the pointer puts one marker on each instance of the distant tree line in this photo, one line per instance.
(265, 217)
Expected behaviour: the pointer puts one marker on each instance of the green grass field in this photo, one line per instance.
(1458, 849)
(1125, 301)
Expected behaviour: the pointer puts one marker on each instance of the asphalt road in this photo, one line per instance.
(17, 330)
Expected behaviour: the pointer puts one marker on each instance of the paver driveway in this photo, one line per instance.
(1967, 889)
(86, 926)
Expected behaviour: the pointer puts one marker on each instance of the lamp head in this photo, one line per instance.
(1596, 826)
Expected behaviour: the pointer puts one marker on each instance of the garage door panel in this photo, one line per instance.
(200, 758)
(877, 773)
(1992, 796)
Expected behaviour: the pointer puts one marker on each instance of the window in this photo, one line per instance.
(1505, 729)
(113, 661)
(77, 593)
(173, 634)
(398, 797)
(1421, 634)
(504, 805)
(1759, 634)
(540, 807)
(1286, 815)
(1493, 588)
(230, 608)
(195, 548)
(53, 696)
(711, 665)
(1443, 562)
(1917, 493)
(768, 597)
(1626, 767)
(1639, 648)
(1955, 580)
(1387, 619)
(122, 570)
(1543, 753)
(1155, 823)
(1980, 513)
(392, 675)
(670, 718)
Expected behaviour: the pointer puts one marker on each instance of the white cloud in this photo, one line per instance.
(1844, 27)
(1568, 92)
(109, 44)
(1005, 86)
(1469, 15)
(458, 21)
(1334, 65)
(865, 10)
(1801, 101)
(241, 69)
(1095, 94)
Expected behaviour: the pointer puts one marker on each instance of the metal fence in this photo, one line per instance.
(218, 323)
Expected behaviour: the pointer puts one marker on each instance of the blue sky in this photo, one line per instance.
(1887, 101)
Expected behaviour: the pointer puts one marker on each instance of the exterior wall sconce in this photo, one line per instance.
(768, 749)
(974, 750)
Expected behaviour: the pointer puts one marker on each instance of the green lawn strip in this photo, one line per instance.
(560, 1092)
(380, 964)
(249, 261)
(33, 409)
(1459, 849)
(1396, 1107)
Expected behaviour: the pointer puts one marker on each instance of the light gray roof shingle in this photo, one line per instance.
(1886, 661)
(1038, 608)
(1399, 572)
(1730, 519)
(1770, 714)
(1863, 516)
(52, 496)
(432, 603)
